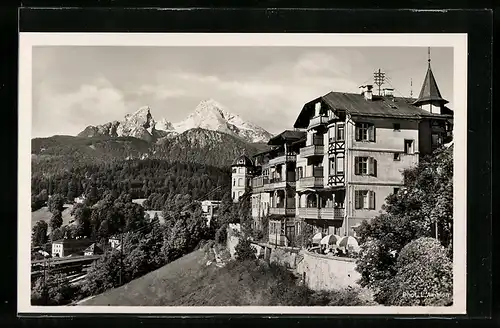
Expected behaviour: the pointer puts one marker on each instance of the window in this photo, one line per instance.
(340, 164)
(436, 140)
(234, 170)
(365, 166)
(234, 182)
(300, 172)
(364, 199)
(240, 170)
(397, 156)
(361, 164)
(240, 193)
(365, 132)
(340, 132)
(240, 182)
(396, 126)
(234, 195)
(332, 166)
(409, 146)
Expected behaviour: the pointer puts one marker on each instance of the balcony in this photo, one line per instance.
(279, 182)
(308, 212)
(326, 213)
(317, 121)
(282, 211)
(313, 150)
(315, 180)
(258, 183)
(330, 213)
(282, 158)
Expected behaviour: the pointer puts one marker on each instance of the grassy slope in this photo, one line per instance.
(44, 214)
(165, 286)
(189, 282)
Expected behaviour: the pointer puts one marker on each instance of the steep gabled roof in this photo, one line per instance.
(287, 136)
(93, 248)
(355, 104)
(430, 91)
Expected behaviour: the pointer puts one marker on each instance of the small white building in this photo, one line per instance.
(209, 208)
(114, 242)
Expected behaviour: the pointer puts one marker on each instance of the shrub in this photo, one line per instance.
(424, 276)
(244, 250)
(341, 297)
(54, 291)
(221, 234)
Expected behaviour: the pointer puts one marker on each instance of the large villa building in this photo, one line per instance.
(343, 157)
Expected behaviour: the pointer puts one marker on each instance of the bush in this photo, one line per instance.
(221, 234)
(341, 297)
(54, 291)
(424, 276)
(244, 250)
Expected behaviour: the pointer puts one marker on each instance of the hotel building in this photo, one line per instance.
(343, 157)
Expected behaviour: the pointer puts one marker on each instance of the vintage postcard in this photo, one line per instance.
(242, 173)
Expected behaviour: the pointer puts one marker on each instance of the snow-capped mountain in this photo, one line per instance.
(208, 115)
(211, 115)
(139, 125)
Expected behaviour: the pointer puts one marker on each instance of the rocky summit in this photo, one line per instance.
(208, 115)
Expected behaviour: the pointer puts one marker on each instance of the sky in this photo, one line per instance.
(77, 86)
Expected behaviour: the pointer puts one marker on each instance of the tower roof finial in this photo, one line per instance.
(430, 91)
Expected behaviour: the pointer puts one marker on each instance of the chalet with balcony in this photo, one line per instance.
(344, 157)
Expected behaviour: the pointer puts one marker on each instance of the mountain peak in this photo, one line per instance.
(209, 114)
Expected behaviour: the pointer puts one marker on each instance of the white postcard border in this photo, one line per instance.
(457, 41)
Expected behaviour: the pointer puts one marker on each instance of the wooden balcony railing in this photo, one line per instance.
(326, 213)
(318, 120)
(282, 158)
(290, 211)
(313, 150)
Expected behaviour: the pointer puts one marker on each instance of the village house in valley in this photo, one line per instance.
(343, 157)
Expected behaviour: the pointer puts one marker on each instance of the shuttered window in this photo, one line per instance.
(364, 199)
(365, 132)
(365, 166)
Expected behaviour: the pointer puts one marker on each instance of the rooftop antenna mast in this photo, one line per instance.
(429, 56)
(379, 78)
(411, 88)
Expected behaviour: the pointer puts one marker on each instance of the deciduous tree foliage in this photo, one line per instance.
(52, 290)
(39, 233)
(424, 203)
(424, 275)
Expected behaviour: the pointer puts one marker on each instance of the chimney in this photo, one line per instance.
(388, 92)
(368, 93)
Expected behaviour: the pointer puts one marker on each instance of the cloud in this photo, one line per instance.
(160, 92)
(69, 112)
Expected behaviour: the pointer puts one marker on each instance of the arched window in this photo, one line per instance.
(240, 182)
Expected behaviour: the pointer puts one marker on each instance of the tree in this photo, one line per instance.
(55, 290)
(244, 250)
(424, 275)
(39, 233)
(56, 203)
(103, 274)
(56, 221)
(423, 207)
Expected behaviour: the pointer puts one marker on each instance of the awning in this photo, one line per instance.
(330, 240)
(316, 239)
(348, 242)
